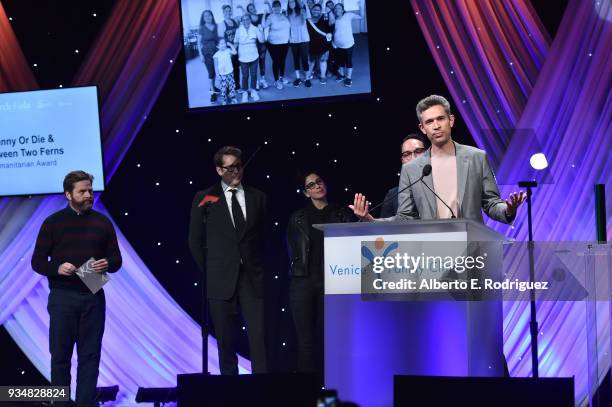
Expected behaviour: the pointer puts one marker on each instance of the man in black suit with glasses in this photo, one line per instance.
(226, 237)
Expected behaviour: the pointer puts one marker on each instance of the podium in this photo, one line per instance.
(368, 342)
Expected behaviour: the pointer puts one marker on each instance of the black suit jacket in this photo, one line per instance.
(389, 208)
(218, 249)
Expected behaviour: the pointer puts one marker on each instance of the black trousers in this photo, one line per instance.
(236, 66)
(306, 299)
(344, 57)
(278, 53)
(300, 56)
(225, 318)
(249, 74)
(76, 318)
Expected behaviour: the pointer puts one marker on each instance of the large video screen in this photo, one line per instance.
(257, 51)
(44, 135)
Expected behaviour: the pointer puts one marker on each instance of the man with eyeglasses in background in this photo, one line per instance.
(226, 237)
(413, 146)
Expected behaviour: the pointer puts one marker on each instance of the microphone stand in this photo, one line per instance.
(441, 200)
(204, 309)
(533, 325)
(426, 171)
(204, 325)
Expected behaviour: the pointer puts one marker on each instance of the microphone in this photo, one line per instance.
(436, 195)
(247, 163)
(252, 156)
(426, 172)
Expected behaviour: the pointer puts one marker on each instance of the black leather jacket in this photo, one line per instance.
(298, 237)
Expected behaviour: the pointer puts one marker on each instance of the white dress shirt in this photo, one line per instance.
(239, 196)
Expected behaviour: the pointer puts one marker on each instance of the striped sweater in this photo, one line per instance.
(67, 236)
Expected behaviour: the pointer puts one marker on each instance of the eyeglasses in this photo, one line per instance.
(314, 183)
(233, 168)
(414, 153)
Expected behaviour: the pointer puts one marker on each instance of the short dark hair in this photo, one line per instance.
(316, 5)
(415, 136)
(304, 174)
(276, 3)
(226, 150)
(226, 6)
(430, 101)
(76, 176)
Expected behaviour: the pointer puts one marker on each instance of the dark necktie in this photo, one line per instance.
(237, 213)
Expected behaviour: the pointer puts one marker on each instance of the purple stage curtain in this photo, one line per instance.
(504, 73)
(148, 338)
(15, 73)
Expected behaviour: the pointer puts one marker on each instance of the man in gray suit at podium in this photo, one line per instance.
(450, 180)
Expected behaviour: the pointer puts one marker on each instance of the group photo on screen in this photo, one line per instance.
(252, 51)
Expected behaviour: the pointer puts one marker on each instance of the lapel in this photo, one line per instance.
(251, 210)
(463, 169)
(431, 200)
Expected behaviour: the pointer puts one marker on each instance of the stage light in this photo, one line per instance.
(156, 395)
(104, 394)
(538, 161)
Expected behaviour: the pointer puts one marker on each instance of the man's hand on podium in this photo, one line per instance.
(361, 207)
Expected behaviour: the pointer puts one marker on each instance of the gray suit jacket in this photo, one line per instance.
(477, 188)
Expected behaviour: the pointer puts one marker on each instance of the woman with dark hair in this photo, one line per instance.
(256, 21)
(278, 41)
(343, 43)
(227, 30)
(329, 16)
(208, 47)
(305, 245)
(320, 31)
(298, 13)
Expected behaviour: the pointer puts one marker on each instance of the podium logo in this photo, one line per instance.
(381, 250)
